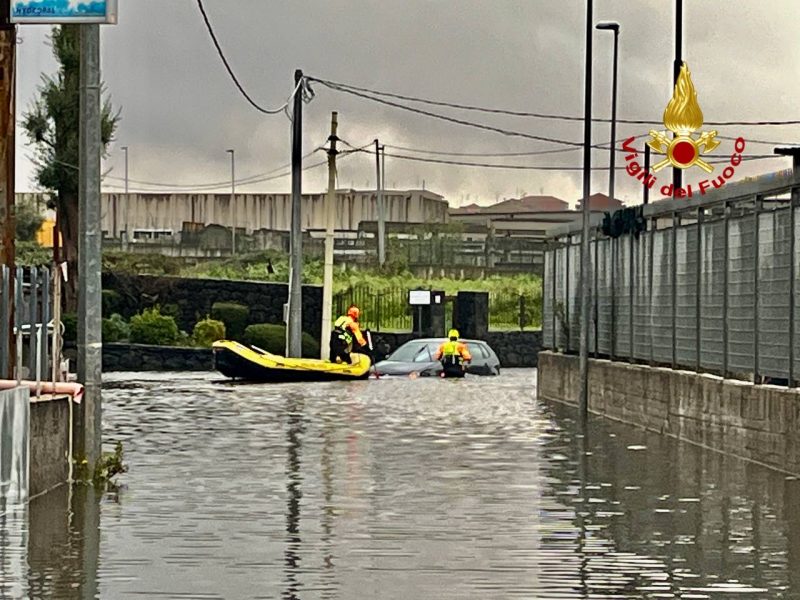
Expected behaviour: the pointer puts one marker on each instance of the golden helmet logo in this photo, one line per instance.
(683, 117)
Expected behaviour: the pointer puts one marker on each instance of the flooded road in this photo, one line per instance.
(399, 489)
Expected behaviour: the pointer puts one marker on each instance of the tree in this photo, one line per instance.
(29, 220)
(52, 126)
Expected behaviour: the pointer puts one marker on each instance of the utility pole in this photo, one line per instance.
(327, 274)
(294, 329)
(676, 71)
(8, 221)
(379, 199)
(586, 258)
(233, 201)
(90, 345)
(127, 201)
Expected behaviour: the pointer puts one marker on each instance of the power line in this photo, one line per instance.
(514, 113)
(441, 117)
(239, 86)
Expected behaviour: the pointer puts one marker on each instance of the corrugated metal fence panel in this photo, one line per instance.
(741, 254)
(622, 282)
(773, 293)
(14, 432)
(574, 297)
(641, 299)
(604, 296)
(662, 296)
(712, 290)
(795, 325)
(686, 313)
(560, 306)
(547, 300)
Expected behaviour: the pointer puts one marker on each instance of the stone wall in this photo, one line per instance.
(513, 348)
(194, 298)
(49, 444)
(760, 423)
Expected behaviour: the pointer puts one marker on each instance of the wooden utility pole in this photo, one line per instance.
(8, 221)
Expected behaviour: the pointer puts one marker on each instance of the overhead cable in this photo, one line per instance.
(515, 113)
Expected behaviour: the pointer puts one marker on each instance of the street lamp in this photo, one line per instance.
(233, 200)
(612, 26)
(125, 225)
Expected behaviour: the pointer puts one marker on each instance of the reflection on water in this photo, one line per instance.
(400, 489)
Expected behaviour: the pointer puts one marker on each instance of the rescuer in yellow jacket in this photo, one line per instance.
(453, 354)
(345, 330)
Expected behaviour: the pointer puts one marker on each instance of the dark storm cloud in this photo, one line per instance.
(181, 111)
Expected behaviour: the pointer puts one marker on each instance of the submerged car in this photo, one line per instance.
(417, 356)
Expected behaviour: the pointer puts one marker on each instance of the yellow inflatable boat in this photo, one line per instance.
(233, 359)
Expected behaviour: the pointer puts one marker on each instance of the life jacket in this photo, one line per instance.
(453, 352)
(341, 328)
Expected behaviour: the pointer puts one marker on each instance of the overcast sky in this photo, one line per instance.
(180, 111)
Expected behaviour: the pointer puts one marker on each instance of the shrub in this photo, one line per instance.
(112, 302)
(272, 338)
(171, 310)
(115, 329)
(70, 323)
(208, 331)
(233, 315)
(151, 327)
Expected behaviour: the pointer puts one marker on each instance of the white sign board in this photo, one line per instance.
(53, 12)
(419, 297)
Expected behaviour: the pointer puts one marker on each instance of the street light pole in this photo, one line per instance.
(676, 71)
(125, 220)
(233, 200)
(612, 26)
(586, 259)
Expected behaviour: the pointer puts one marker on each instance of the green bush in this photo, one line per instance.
(151, 327)
(171, 310)
(233, 315)
(208, 331)
(115, 329)
(112, 302)
(272, 338)
(70, 323)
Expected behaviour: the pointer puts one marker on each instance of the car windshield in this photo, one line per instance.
(413, 352)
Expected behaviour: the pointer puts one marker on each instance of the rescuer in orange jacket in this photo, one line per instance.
(453, 354)
(345, 330)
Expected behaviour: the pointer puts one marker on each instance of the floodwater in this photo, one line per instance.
(399, 489)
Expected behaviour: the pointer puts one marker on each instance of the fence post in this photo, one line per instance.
(18, 283)
(698, 284)
(631, 296)
(45, 275)
(650, 252)
(675, 222)
(792, 272)
(378, 310)
(613, 288)
(4, 321)
(566, 294)
(596, 293)
(726, 215)
(756, 252)
(521, 312)
(556, 251)
(33, 305)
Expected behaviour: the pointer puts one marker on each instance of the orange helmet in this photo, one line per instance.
(353, 312)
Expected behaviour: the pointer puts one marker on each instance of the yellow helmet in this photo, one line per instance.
(453, 334)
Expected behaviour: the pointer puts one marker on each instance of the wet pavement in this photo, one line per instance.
(399, 489)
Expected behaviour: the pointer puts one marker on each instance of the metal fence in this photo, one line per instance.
(709, 287)
(27, 343)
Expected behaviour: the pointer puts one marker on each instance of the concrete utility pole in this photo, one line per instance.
(125, 220)
(327, 274)
(90, 346)
(294, 328)
(612, 26)
(233, 200)
(379, 202)
(586, 258)
(676, 71)
(8, 221)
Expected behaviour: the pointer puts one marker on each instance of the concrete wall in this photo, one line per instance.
(49, 444)
(264, 211)
(755, 422)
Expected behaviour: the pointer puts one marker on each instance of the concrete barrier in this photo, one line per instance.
(760, 423)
